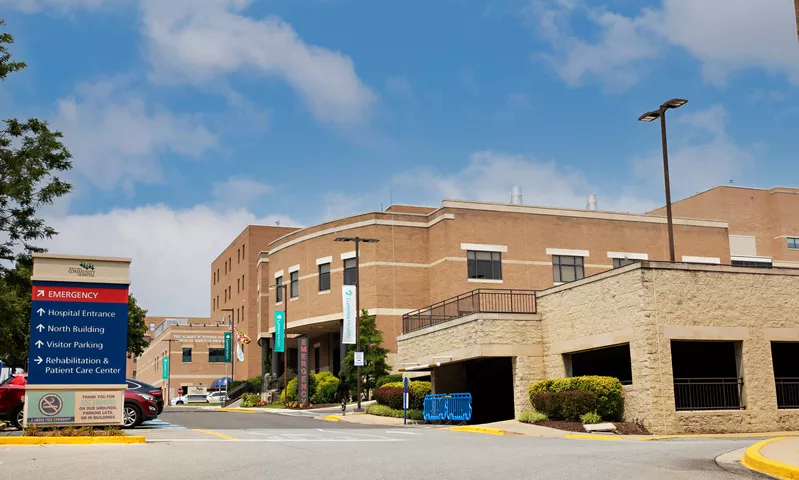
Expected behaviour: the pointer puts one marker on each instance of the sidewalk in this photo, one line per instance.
(365, 419)
(309, 411)
(778, 457)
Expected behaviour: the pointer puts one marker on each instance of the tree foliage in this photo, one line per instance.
(374, 355)
(15, 311)
(31, 157)
(137, 327)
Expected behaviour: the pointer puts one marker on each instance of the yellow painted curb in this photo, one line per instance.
(332, 418)
(486, 430)
(238, 410)
(723, 435)
(123, 440)
(757, 462)
(220, 435)
(591, 437)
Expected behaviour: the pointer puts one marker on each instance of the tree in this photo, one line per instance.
(15, 311)
(374, 355)
(30, 158)
(136, 328)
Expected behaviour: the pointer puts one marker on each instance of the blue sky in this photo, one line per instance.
(189, 119)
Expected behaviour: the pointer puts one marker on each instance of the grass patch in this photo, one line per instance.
(70, 431)
(384, 411)
(274, 405)
(532, 417)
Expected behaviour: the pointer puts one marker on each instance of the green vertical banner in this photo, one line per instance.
(228, 347)
(165, 368)
(280, 331)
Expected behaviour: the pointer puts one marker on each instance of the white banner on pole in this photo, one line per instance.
(239, 352)
(350, 314)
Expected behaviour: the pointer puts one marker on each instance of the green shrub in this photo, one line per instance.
(590, 418)
(393, 378)
(389, 396)
(532, 417)
(292, 388)
(608, 392)
(565, 405)
(250, 399)
(326, 386)
(416, 392)
(384, 411)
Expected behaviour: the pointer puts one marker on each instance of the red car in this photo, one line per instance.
(139, 407)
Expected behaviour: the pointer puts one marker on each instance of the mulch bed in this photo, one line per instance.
(622, 428)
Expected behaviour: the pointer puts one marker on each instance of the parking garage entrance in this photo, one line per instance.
(489, 380)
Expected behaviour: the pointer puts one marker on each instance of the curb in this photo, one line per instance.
(753, 460)
(123, 440)
(578, 436)
(485, 430)
(723, 435)
(238, 410)
(331, 418)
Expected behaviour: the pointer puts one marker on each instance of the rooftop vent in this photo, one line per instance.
(516, 196)
(591, 203)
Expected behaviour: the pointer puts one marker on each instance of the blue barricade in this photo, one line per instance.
(459, 407)
(435, 408)
(456, 407)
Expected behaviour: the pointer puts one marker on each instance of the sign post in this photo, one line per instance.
(302, 384)
(78, 340)
(405, 401)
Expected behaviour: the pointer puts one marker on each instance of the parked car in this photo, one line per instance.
(216, 397)
(141, 387)
(12, 399)
(186, 399)
(138, 407)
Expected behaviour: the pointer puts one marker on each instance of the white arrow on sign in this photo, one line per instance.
(39, 344)
(40, 327)
(39, 293)
(40, 311)
(39, 360)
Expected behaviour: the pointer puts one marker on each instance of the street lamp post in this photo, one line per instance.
(169, 372)
(285, 298)
(661, 114)
(358, 241)
(232, 362)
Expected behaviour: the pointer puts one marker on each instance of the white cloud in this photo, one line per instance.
(116, 138)
(489, 176)
(239, 191)
(725, 36)
(701, 155)
(197, 40)
(171, 249)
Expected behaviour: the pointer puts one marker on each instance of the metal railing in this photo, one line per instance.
(787, 392)
(236, 393)
(708, 393)
(483, 300)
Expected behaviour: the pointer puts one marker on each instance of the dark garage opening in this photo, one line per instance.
(489, 380)
(608, 362)
(785, 357)
(706, 375)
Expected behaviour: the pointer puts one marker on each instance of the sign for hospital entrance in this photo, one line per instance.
(78, 339)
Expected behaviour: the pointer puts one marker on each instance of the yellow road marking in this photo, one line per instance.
(220, 435)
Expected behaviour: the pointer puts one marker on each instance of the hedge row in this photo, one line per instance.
(390, 394)
(321, 389)
(565, 405)
(393, 378)
(384, 411)
(607, 390)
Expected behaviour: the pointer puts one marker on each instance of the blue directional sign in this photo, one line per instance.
(78, 334)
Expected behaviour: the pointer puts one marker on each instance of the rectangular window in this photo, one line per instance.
(238, 256)
(484, 265)
(216, 355)
(620, 262)
(242, 281)
(324, 277)
(786, 373)
(225, 268)
(242, 313)
(225, 295)
(186, 355)
(349, 271)
(242, 251)
(567, 269)
(279, 289)
(295, 284)
(238, 285)
(793, 243)
(745, 263)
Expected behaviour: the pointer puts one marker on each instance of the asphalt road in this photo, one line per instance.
(259, 445)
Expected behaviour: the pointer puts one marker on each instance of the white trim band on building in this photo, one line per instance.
(742, 258)
(708, 260)
(348, 255)
(567, 252)
(294, 268)
(629, 255)
(324, 260)
(479, 247)
(279, 273)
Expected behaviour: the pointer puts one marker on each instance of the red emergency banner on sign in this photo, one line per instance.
(79, 294)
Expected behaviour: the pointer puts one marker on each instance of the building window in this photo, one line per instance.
(484, 265)
(238, 285)
(217, 301)
(238, 256)
(186, 355)
(279, 289)
(216, 355)
(242, 251)
(295, 284)
(746, 263)
(793, 243)
(567, 269)
(242, 313)
(230, 292)
(225, 268)
(349, 271)
(225, 295)
(242, 281)
(620, 262)
(324, 277)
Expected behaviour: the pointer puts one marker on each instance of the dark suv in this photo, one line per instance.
(141, 387)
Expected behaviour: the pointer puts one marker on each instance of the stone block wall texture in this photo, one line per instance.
(653, 297)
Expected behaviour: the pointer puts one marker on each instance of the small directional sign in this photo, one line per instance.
(78, 334)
